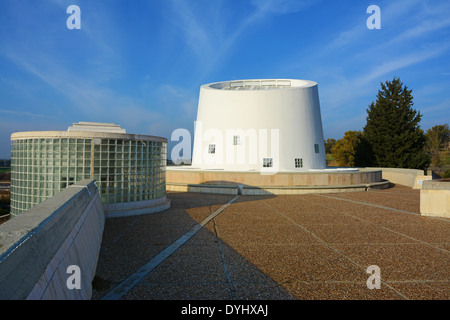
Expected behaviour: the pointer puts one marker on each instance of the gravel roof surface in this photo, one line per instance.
(300, 247)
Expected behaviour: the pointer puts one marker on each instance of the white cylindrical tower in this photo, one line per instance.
(259, 125)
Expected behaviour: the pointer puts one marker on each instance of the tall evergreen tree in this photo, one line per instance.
(393, 131)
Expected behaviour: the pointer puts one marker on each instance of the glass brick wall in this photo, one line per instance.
(124, 170)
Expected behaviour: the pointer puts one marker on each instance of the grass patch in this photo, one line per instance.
(5, 169)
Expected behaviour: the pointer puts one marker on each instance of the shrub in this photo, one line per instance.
(446, 174)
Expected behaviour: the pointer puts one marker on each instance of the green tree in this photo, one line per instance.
(363, 153)
(437, 139)
(344, 150)
(329, 143)
(392, 130)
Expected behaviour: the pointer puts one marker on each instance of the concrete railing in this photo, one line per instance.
(51, 250)
(412, 178)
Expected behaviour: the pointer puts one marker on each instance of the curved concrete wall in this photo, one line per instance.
(37, 248)
(287, 111)
(412, 178)
(282, 179)
(254, 183)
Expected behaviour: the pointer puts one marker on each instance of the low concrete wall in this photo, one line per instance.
(193, 180)
(180, 176)
(125, 209)
(412, 178)
(435, 198)
(255, 183)
(248, 190)
(38, 246)
(272, 190)
(203, 188)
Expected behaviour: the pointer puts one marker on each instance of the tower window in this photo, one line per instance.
(298, 163)
(236, 140)
(212, 149)
(316, 148)
(267, 162)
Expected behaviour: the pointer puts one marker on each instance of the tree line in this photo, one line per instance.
(392, 136)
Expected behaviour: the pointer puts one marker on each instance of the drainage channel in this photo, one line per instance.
(120, 290)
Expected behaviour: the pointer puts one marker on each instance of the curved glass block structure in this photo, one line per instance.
(129, 169)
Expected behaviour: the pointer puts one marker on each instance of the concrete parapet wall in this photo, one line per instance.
(273, 190)
(247, 190)
(38, 246)
(256, 183)
(175, 176)
(203, 188)
(125, 209)
(435, 198)
(412, 178)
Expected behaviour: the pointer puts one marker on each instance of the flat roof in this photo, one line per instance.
(96, 126)
(88, 130)
(312, 246)
(84, 135)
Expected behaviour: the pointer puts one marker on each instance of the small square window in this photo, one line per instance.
(267, 162)
(236, 140)
(298, 163)
(212, 149)
(316, 148)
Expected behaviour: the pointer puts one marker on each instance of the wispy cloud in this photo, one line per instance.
(401, 62)
(283, 6)
(370, 62)
(78, 68)
(212, 45)
(395, 11)
(88, 98)
(141, 64)
(11, 111)
(341, 93)
(425, 27)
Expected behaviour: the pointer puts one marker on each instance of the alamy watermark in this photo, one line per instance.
(74, 280)
(374, 281)
(74, 20)
(235, 146)
(374, 21)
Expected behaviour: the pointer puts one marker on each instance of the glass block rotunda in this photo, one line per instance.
(129, 169)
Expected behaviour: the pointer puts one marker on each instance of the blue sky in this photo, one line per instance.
(141, 63)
